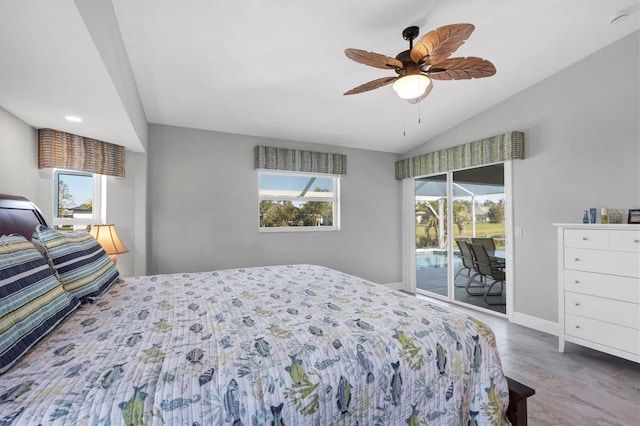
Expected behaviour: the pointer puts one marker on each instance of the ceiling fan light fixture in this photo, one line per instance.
(411, 86)
(428, 60)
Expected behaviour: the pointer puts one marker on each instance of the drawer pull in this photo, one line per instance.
(577, 259)
(577, 326)
(636, 241)
(584, 238)
(577, 303)
(576, 282)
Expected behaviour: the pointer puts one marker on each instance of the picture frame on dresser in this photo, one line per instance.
(634, 216)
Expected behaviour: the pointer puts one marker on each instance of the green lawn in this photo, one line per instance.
(484, 229)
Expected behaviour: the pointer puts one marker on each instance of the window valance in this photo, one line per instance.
(508, 146)
(266, 157)
(67, 151)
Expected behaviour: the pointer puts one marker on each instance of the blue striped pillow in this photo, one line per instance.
(32, 301)
(79, 261)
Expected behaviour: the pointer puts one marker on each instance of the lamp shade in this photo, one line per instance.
(411, 86)
(108, 239)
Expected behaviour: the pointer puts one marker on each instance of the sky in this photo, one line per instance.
(80, 187)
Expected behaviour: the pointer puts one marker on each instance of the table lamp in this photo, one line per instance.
(109, 240)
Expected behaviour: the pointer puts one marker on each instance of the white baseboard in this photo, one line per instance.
(536, 323)
(395, 286)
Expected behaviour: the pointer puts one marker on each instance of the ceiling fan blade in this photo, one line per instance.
(439, 44)
(373, 84)
(373, 59)
(461, 69)
(421, 97)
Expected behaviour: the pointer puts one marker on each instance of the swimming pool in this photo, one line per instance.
(434, 259)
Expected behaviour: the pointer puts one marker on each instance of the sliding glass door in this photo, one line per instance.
(475, 200)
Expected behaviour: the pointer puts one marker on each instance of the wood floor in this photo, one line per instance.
(580, 387)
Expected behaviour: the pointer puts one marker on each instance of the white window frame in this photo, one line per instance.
(99, 184)
(335, 200)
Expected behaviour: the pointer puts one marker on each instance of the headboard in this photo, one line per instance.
(19, 216)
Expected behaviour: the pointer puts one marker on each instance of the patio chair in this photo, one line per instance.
(488, 243)
(467, 262)
(491, 270)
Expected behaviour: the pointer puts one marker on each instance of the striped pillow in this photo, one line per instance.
(79, 261)
(32, 301)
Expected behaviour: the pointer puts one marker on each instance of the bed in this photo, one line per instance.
(277, 345)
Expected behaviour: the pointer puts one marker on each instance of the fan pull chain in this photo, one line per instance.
(404, 127)
(419, 119)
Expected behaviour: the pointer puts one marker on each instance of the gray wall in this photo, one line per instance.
(582, 150)
(19, 174)
(203, 209)
(127, 209)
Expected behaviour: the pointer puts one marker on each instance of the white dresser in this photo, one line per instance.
(599, 287)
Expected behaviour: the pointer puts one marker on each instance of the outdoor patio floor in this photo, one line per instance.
(434, 280)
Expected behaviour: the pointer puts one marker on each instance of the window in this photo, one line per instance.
(298, 201)
(76, 199)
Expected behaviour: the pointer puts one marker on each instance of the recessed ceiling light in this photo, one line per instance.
(73, 118)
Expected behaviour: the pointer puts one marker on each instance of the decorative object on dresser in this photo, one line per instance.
(604, 215)
(634, 216)
(599, 287)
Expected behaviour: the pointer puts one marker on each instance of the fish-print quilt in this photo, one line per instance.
(279, 345)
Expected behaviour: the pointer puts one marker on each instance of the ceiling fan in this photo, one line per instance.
(427, 60)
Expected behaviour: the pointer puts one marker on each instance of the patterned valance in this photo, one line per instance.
(509, 146)
(67, 151)
(266, 157)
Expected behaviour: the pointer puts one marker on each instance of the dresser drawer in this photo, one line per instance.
(624, 241)
(599, 308)
(586, 238)
(612, 335)
(621, 263)
(609, 286)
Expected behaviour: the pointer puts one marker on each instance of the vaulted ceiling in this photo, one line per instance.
(276, 68)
